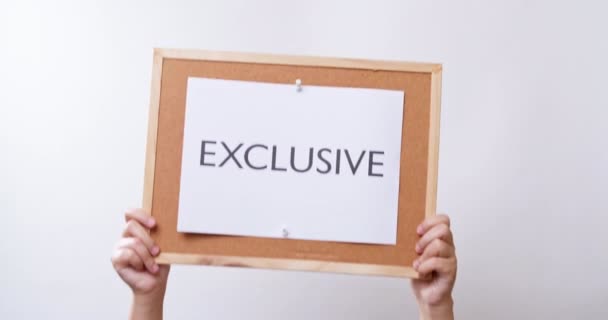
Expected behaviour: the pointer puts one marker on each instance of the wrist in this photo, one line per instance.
(147, 306)
(147, 300)
(153, 296)
(443, 310)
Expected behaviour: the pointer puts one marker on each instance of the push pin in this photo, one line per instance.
(285, 233)
(299, 85)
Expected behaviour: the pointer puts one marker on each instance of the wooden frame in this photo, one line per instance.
(434, 70)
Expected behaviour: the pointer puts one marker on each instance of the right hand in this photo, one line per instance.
(133, 257)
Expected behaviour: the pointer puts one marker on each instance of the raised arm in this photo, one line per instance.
(133, 260)
(437, 265)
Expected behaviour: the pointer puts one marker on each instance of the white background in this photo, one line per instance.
(237, 200)
(523, 168)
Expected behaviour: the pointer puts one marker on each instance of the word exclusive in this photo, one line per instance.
(264, 157)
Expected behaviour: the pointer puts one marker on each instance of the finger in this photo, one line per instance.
(125, 258)
(142, 252)
(437, 248)
(141, 216)
(442, 266)
(439, 231)
(136, 230)
(430, 222)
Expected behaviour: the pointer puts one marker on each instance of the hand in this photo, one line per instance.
(133, 260)
(437, 268)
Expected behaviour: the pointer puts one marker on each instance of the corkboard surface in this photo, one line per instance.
(414, 162)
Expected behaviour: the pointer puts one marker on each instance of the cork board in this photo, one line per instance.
(419, 154)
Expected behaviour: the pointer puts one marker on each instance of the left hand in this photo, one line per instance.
(437, 267)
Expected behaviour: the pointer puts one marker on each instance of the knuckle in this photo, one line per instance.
(438, 244)
(423, 243)
(128, 227)
(130, 214)
(114, 258)
(446, 219)
(122, 255)
(131, 224)
(125, 230)
(429, 262)
(429, 239)
(128, 254)
(141, 250)
(136, 241)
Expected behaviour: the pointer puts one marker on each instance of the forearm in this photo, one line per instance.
(442, 311)
(146, 308)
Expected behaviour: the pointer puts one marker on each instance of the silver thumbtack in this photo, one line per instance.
(299, 85)
(285, 233)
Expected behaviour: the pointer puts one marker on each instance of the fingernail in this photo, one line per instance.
(416, 263)
(417, 248)
(155, 250)
(155, 268)
(419, 230)
(151, 222)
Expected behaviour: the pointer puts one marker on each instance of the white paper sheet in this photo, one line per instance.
(253, 201)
